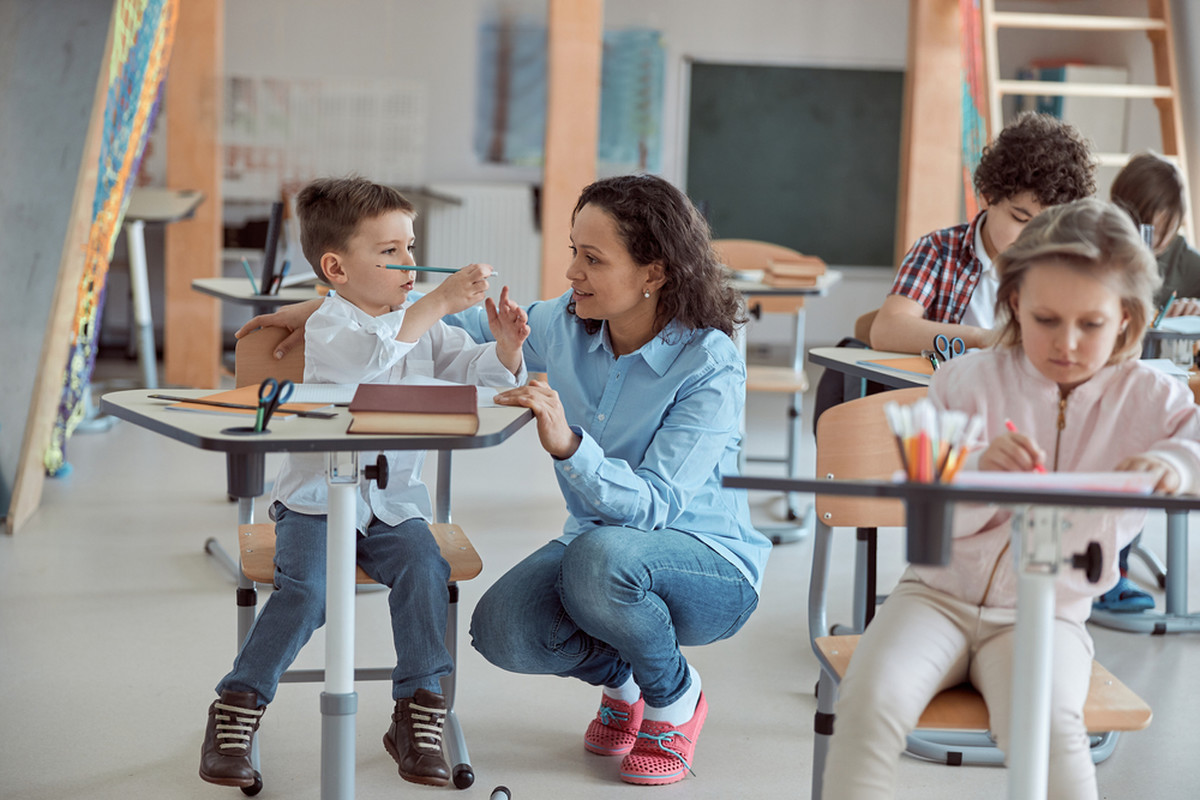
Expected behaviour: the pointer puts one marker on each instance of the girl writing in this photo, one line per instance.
(1073, 299)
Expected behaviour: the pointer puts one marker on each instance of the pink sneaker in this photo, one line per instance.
(615, 728)
(663, 752)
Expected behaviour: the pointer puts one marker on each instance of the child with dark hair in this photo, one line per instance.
(947, 282)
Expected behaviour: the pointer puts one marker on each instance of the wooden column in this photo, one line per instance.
(930, 140)
(576, 31)
(192, 330)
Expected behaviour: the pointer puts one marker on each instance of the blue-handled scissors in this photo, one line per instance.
(271, 395)
(948, 347)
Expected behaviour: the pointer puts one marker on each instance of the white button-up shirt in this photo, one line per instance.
(344, 344)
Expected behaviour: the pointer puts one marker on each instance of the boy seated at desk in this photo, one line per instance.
(351, 229)
(947, 282)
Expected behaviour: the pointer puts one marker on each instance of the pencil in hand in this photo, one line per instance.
(446, 270)
(1008, 424)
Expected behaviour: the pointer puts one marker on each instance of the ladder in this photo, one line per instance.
(1156, 25)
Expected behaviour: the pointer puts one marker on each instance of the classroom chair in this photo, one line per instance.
(255, 361)
(855, 443)
(748, 255)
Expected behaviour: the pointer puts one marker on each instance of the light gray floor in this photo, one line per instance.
(114, 626)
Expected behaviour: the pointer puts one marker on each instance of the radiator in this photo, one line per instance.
(495, 225)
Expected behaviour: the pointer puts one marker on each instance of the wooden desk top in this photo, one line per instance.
(238, 290)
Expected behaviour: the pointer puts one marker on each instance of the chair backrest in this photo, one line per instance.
(854, 442)
(255, 358)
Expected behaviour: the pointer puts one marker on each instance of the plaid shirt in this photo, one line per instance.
(941, 271)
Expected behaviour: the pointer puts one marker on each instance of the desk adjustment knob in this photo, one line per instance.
(379, 472)
(1091, 561)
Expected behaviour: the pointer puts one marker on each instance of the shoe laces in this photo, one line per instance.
(426, 726)
(235, 728)
(662, 739)
(612, 717)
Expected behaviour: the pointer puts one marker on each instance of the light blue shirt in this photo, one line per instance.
(660, 429)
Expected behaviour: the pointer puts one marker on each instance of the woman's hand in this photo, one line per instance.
(1012, 452)
(510, 325)
(463, 289)
(556, 435)
(293, 317)
(1166, 478)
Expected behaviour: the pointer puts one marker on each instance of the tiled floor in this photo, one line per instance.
(114, 626)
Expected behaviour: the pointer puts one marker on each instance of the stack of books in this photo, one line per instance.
(794, 273)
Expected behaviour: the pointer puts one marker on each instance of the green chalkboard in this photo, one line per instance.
(798, 156)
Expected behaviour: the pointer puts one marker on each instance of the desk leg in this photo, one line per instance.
(339, 702)
(1033, 653)
(1177, 562)
(139, 282)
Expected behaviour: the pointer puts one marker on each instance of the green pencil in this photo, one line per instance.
(446, 270)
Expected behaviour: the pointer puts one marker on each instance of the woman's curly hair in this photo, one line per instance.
(658, 223)
(1040, 154)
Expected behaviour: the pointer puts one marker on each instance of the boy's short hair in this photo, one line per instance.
(330, 210)
(1095, 238)
(1150, 185)
(1037, 153)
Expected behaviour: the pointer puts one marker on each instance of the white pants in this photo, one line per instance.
(923, 641)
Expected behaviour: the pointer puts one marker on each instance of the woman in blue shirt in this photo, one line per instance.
(641, 414)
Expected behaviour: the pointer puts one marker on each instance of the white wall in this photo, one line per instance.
(436, 43)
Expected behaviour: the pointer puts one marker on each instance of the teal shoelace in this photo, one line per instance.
(609, 715)
(662, 739)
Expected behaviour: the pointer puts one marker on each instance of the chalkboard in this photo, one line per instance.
(804, 157)
(49, 66)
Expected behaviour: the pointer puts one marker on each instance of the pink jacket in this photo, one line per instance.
(1126, 409)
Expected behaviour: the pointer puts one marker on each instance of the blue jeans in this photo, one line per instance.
(611, 601)
(404, 557)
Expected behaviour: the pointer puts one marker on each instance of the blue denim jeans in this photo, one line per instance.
(404, 557)
(611, 601)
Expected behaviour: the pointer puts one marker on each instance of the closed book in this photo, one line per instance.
(810, 267)
(398, 408)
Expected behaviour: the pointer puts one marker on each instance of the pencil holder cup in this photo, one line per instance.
(929, 538)
(244, 430)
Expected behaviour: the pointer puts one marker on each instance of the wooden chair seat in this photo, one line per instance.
(257, 545)
(775, 379)
(1110, 706)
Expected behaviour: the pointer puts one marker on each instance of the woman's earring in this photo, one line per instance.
(646, 294)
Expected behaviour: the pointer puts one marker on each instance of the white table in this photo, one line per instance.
(160, 206)
(750, 288)
(245, 456)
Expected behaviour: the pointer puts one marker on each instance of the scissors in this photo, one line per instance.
(271, 395)
(948, 347)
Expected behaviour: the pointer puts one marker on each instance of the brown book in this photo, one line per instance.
(809, 267)
(398, 408)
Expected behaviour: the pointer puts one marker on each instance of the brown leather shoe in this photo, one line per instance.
(415, 738)
(225, 754)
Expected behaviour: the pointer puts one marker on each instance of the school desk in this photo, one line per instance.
(160, 206)
(245, 457)
(1176, 619)
(239, 291)
(758, 290)
(1039, 560)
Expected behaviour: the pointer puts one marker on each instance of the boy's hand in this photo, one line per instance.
(1167, 479)
(510, 325)
(462, 289)
(1012, 452)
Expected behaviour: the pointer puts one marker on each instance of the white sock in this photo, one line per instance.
(627, 692)
(682, 709)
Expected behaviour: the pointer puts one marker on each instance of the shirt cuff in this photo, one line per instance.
(584, 461)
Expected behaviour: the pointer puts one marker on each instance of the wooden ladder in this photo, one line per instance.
(1164, 91)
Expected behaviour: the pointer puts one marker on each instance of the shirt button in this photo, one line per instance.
(600, 417)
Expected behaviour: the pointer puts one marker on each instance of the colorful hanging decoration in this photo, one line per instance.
(974, 98)
(143, 31)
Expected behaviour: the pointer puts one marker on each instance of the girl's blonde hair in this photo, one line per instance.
(1094, 238)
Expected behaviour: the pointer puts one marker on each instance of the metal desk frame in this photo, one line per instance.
(245, 460)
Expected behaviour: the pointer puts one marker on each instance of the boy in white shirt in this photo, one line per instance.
(367, 332)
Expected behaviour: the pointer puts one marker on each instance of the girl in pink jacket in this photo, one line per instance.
(1073, 300)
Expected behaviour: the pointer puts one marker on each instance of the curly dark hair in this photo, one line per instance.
(1037, 153)
(659, 224)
